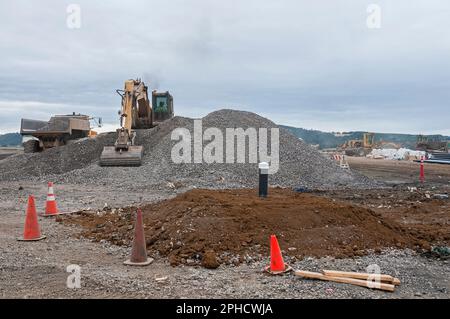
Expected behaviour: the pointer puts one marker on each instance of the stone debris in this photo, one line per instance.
(77, 163)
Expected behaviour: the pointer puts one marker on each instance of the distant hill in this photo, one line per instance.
(10, 139)
(329, 140)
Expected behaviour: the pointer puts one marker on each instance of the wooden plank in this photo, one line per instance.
(352, 281)
(363, 276)
(396, 282)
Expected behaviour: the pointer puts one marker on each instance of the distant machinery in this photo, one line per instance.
(358, 147)
(427, 144)
(365, 145)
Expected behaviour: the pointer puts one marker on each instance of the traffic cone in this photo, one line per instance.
(50, 205)
(51, 208)
(31, 230)
(139, 251)
(422, 170)
(277, 265)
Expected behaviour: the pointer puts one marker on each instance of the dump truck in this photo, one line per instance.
(59, 130)
(137, 112)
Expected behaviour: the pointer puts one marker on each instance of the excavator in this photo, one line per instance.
(359, 147)
(136, 113)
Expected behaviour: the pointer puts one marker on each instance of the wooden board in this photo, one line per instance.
(352, 281)
(363, 276)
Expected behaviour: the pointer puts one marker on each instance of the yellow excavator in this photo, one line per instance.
(136, 113)
(359, 147)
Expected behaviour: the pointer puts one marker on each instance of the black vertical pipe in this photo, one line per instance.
(263, 179)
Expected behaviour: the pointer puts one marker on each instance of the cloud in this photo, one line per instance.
(310, 64)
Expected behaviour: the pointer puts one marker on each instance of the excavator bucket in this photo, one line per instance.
(131, 157)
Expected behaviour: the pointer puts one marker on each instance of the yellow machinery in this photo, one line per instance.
(359, 147)
(368, 140)
(365, 145)
(136, 113)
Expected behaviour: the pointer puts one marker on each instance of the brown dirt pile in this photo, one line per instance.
(418, 213)
(235, 225)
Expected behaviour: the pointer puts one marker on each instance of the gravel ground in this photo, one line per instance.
(39, 269)
(300, 165)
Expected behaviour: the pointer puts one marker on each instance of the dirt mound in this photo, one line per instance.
(300, 165)
(235, 225)
(416, 210)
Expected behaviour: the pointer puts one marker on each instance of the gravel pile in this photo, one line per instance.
(59, 160)
(300, 165)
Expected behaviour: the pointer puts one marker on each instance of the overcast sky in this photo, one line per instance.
(312, 64)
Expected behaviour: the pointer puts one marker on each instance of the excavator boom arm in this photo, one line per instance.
(135, 113)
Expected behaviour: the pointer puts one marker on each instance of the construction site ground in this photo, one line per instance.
(395, 172)
(393, 227)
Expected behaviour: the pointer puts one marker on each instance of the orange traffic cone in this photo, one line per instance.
(50, 204)
(139, 251)
(277, 265)
(31, 230)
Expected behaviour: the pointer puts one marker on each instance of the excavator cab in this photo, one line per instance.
(162, 106)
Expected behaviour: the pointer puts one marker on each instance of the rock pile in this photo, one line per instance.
(300, 165)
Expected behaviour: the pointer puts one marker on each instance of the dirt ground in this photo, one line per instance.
(235, 226)
(407, 211)
(400, 172)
